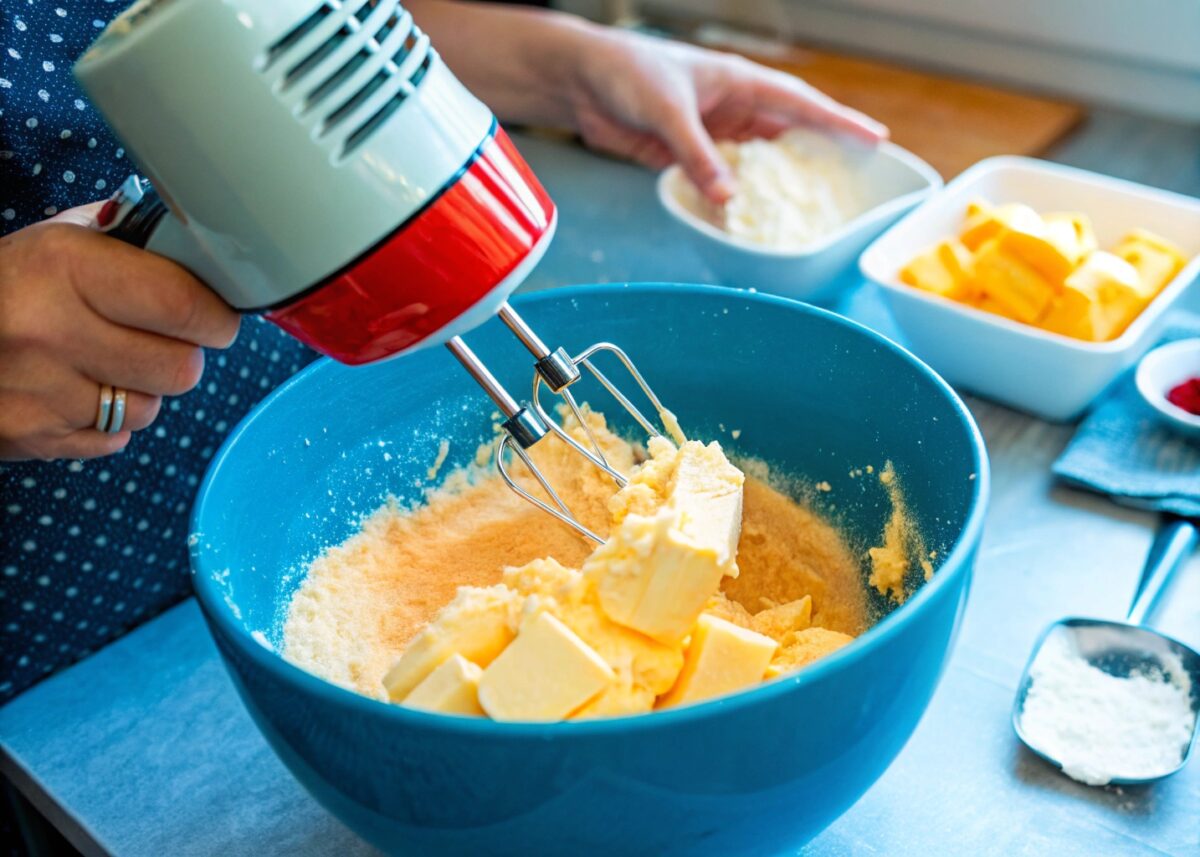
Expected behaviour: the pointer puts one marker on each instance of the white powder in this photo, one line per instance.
(791, 191)
(1101, 727)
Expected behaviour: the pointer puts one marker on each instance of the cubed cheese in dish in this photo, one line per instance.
(1046, 271)
(1156, 259)
(1098, 300)
(1011, 282)
(1052, 253)
(985, 222)
(944, 269)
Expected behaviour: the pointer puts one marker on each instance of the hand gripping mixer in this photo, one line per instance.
(318, 163)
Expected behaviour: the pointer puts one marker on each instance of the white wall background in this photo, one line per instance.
(1141, 55)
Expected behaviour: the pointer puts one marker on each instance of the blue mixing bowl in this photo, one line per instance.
(759, 772)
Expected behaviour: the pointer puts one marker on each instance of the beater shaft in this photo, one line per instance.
(522, 424)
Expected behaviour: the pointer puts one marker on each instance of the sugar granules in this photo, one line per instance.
(1103, 727)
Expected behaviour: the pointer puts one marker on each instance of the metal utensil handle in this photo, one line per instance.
(1173, 544)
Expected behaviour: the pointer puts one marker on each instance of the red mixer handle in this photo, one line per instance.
(132, 212)
(442, 271)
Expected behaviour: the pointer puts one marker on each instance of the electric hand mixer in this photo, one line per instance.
(318, 163)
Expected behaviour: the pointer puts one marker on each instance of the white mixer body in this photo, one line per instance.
(322, 165)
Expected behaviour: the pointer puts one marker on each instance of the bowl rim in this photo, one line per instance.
(1166, 298)
(1155, 397)
(957, 561)
(931, 177)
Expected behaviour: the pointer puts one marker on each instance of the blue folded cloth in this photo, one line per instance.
(1122, 448)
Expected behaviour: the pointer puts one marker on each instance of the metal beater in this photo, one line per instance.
(526, 424)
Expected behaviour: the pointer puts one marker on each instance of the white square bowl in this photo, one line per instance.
(1055, 377)
(895, 181)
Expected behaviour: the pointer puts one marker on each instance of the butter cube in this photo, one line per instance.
(985, 222)
(1012, 283)
(1098, 300)
(779, 621)
(721, 659)
(1071, 229)
(644, 668)
(1052, 253)
(656, 572)
(545, 674)
(944, 269)
(803, 647)
(452, 688)
(476, 624)
(1156, 259)
(987, 304)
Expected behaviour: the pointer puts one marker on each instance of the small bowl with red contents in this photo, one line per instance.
(1168, 378)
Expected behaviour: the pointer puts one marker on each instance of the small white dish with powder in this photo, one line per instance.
(805, 206)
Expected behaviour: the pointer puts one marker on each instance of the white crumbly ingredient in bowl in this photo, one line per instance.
(1101, 727)
(791, 191)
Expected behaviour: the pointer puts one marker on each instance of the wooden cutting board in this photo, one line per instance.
(948, 122)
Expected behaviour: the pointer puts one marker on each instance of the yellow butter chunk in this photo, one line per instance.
(477, 624)
(985, 222)
(661, 565)
(1072, 231)
(452, 688)
(643, 668)
(1012, 283)
(1156, 259)
(1098, 300)
(721, 658)
(944, 269)
(545, 674)
(803, 647)
(986, 304)
(1046, 270)
(1053, 253)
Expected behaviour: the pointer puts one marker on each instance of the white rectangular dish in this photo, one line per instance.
(1052, 376)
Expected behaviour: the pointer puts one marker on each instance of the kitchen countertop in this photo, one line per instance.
(145, 749)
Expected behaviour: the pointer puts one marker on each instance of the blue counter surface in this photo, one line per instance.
(144, 748)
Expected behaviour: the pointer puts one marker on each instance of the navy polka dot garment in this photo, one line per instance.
(92, 548)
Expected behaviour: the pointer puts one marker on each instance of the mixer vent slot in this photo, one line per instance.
(292, 36)
(363, 131)
(335, 68)
(302, 68)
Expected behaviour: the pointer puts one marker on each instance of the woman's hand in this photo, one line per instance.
(648, 99)
(657, 102)
(79, 309)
